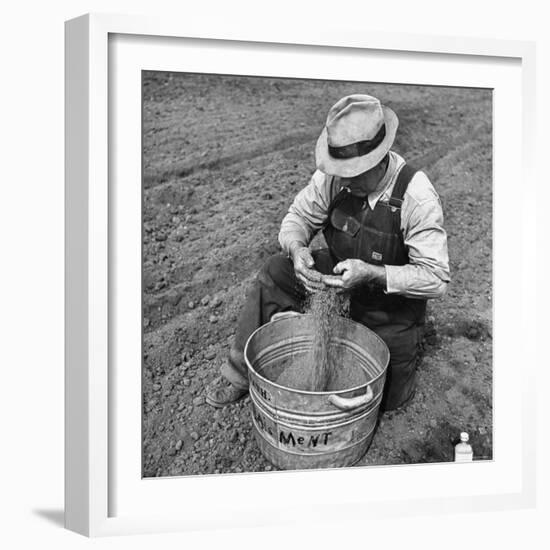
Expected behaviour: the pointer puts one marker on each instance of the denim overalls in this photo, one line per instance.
(354, 230)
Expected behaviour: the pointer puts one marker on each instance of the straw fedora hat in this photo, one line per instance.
(357, 135)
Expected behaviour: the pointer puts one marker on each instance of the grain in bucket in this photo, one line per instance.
(298, 429)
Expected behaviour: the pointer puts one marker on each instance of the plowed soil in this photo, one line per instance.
(223, 158)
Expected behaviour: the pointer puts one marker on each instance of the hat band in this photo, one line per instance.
(359, 148)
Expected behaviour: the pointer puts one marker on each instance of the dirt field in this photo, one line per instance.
(223, 159)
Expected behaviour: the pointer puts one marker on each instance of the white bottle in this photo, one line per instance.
(463, 450)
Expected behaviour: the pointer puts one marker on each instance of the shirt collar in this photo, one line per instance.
(385, 186)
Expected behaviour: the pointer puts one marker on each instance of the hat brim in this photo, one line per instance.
(348, 168)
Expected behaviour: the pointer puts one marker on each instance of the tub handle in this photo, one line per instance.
(284, 315)
(349, 403)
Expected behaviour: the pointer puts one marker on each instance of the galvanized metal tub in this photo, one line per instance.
(298, 429)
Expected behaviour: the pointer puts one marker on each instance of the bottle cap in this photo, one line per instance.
(464, 437)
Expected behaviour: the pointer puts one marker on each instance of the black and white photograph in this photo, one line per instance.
(317, 274)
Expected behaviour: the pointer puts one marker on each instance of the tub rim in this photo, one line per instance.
(308, 392)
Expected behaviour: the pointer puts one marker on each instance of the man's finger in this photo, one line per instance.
(341, 266)
(306, 257)
(308, 283)
(333, 280)
(313, 290)
(309, 261)
(305, 266)
(311, 274)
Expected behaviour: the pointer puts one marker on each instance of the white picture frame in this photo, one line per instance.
(105, 494)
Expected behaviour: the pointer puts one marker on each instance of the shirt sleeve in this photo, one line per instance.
(308, 212)
(427, 273)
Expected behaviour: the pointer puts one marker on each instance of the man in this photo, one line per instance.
(383, 224)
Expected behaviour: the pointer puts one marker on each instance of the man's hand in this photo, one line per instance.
(352, 273)
(304, 269)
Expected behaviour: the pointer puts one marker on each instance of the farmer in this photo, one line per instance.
(383, 224)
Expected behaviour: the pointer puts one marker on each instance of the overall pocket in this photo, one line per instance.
(341, 235)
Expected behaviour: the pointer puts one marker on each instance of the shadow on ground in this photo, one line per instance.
(57, 517)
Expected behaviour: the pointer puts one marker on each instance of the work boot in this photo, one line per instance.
(222, 393)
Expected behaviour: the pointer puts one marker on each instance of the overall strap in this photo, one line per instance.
(338, 198)
(403, 179)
